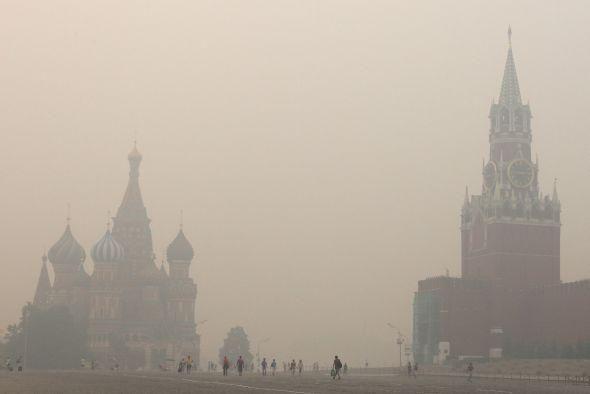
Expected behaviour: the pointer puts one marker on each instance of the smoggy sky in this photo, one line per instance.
(319, 149)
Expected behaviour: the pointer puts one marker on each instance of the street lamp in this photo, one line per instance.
(400, 341)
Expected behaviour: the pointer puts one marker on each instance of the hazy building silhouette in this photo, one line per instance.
(510, 290)
(138, 315)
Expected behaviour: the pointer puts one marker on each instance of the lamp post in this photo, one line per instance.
(400, 341)
(199, 323)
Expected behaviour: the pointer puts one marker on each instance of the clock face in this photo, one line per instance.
(489, 175)
(520, 173)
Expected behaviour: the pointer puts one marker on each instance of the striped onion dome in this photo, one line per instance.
(180, 249)
(107, 250)
(67, 250)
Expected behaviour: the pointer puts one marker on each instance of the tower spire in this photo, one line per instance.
(466, 198)
(43, 285)
(132, 204)
(555, 197)
(510, 90)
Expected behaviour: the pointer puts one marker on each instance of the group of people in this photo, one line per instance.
(294, 367)
(264, 366)
(10, 368)
(185, 365)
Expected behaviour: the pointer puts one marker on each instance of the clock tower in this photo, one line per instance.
(511, 232)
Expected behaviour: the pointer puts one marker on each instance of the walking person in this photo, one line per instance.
(470, 371)
(240, 365)
(225, 365)
(409, 369)
(292, 367)
(263, 364)
(273, 367)
(189, 364)
(415, 369)
(300, 366)
(337, 365)
(345, 369)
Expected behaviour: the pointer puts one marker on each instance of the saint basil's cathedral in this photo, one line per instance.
(137, 315)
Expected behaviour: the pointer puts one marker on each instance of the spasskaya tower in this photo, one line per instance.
(511, 232)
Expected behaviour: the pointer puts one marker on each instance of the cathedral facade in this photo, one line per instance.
(510, 292)
(137, 315)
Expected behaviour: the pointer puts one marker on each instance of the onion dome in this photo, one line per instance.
(180, 249)
(107, 249)
(67, 250)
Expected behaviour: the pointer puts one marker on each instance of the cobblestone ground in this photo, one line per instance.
(122, 382)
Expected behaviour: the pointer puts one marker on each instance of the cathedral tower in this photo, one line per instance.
(67, 257)
(511, 233)
(105, 295)
(182, 294)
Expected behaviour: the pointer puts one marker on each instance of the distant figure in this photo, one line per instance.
(263, 364)
(470, 371)
(225, 365)
(284, 366)
(336, 366)
(181, 365)
(273, 366)
(240, 365)
(415, 369)
(300, 366)
(189, 364)
(409, 369)
(252, 366)
(293, 366)
(345, 369)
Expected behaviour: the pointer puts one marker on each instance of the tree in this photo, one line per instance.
(50, 337)
(234, 345)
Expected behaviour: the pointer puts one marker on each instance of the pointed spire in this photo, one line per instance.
(132, 205)
(109, 220)
(510, 91)
(555, 197)
(466, 198)
(43, 285)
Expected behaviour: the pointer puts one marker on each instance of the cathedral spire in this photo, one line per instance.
(43, 285)
(510, 91)
(466, 198)
(132, 204)
(554, 196)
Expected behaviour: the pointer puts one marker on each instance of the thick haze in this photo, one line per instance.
(319, 149)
